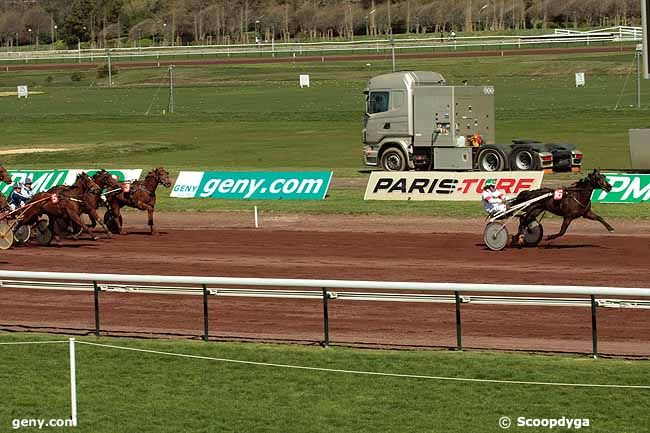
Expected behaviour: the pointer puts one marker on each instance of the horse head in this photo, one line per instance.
(599, 181)
(4, 176)
(162, 176)
(104, 179)
(87, 183)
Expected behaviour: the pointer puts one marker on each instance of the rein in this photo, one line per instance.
(574, 188)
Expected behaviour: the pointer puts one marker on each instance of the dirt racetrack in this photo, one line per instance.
(342, 247)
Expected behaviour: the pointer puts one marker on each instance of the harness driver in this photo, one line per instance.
(494, 200)
(21, 194)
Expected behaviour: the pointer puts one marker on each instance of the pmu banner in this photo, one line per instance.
(42, 180)
(626, 188)
(253, 185)
(443, 185)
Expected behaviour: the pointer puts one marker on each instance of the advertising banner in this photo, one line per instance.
(626, 188)
(253, 185)
(442, 185)
(42, 180)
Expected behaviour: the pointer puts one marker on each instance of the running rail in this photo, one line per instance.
(98, 283)
(199, 282)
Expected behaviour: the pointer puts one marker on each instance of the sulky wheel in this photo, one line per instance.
(22, 234)
(43, 232)
(6, 236)
(495, 236)
(113, 225)
(534, 234)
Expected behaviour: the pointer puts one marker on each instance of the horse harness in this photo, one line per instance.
(584, 206)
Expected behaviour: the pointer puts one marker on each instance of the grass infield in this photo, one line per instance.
(120, 391)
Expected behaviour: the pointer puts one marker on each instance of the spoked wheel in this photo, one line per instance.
(111, 223)
(534, 234)
(6, 236)
(43, 232)
(496, 236)
(22, 234)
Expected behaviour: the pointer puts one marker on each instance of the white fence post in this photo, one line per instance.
(73, 384)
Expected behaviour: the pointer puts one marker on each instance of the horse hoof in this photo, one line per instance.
(95, 238)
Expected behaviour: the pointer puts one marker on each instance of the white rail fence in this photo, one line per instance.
(294, 49)
(328, 291)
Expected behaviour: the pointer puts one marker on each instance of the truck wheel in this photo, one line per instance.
(524, 159)
(490, 159)
(393, 160)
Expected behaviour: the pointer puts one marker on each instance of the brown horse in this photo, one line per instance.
(92, 201)
(575, 202)
(67, 206)
(140, 195)
(4, 177)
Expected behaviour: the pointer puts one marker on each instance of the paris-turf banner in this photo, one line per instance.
(253, 185)
(446, 185)
(42, 180)
(626, 188)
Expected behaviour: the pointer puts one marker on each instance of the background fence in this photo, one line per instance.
(327, 291)
(270, 49)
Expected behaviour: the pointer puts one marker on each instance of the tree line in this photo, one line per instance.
(110, 23)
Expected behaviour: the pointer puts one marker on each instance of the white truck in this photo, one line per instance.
(414, 121)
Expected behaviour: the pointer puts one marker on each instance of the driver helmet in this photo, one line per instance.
(489, 183)
(28, 181)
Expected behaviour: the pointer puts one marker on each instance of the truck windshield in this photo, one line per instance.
(378, 102)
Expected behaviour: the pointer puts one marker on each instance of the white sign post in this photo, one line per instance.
(304, 81)
(22, 92)
(580, 79)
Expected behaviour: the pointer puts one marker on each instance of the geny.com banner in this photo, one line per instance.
(254, 185)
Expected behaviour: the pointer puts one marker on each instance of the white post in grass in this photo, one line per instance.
(73, 384)
(256, 219)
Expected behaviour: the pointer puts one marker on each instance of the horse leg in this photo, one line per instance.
(145, 206)
(565, 225)
(591, 215)
(524, 221)
(54, 228)
(153, 230)
(74, 217)
(94, 218)
(517, 239)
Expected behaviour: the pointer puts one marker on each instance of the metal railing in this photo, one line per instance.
(307, 49)
(324, 290)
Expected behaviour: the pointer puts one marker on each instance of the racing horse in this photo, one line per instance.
(91, 201)
(570, 203)
(140, 195)
(4, 177)
(66, 205)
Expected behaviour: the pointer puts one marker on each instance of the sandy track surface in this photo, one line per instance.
(341, 247)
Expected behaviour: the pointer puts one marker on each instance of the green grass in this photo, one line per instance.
(123, 391)
(255, 117)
